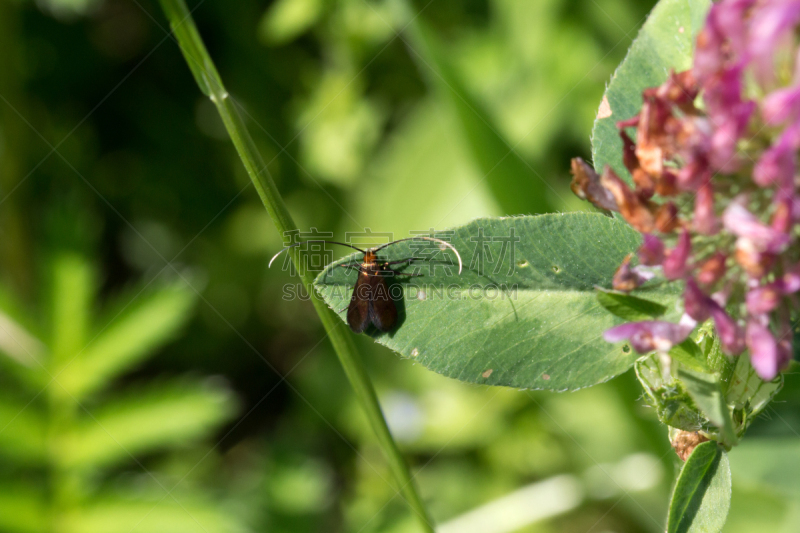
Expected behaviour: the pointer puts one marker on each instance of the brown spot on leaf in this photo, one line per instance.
(546, 377)
(487, 373)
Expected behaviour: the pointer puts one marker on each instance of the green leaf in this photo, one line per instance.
(629, 308)
(161, 513)
(665, 42)
(285, 20)
(715, 359)
(707, 394)
(73, 292)
(146, 420)
(672, 402)
(506, 173)
(144, 326)
(524, 316)
(22, 431)
(22, 508)
(702, 495)
(748, 394)
(689, 355)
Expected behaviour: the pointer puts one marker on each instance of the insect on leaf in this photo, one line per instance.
(527, 311)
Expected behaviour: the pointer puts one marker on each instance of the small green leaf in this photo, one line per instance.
(523, 316)
(146, 420)
(702, 495)
(148, 323)
(670, 399)
(689, 355)
(707, 394)
(716, 361)
(629, 308)
(665, 42)
(748, 394)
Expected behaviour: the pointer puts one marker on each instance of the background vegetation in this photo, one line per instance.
(157, 381)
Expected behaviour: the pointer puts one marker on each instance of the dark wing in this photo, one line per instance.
(358, 311)
(382, 311)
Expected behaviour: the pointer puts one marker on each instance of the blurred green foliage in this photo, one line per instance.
(354, 120)
(70, 436)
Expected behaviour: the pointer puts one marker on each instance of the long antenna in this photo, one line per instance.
(440, 241)
(315, 240)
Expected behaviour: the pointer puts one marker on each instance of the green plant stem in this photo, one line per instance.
(210, 83)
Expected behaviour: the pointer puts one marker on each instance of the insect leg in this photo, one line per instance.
(408, 260)
(396, 273)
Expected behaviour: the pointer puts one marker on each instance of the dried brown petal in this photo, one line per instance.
(625, 279)
(666, 184)
(712, 269)
(651, 157)
(681, 89)
(667, 218)
(651, 137)
(628, 152)
(632, 208)
(586, 185)
(645, 184)
(685, 442)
